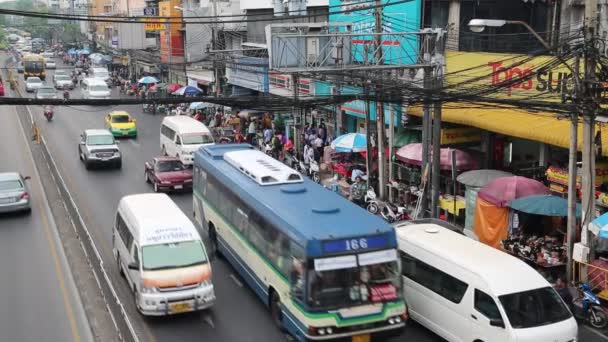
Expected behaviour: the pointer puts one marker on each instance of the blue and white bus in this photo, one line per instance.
(325, 267)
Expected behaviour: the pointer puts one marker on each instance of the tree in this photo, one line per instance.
(71, 33)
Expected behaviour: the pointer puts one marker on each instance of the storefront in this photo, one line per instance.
(203, 79)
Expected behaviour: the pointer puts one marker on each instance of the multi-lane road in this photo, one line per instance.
(237, 315)
(39, 301)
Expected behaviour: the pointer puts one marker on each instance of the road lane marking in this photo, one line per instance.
(134, 142)
(49, 239)
(236, 280)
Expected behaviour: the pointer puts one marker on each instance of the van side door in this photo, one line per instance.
(487, 323)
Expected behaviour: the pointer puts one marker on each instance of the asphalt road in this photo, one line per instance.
(39, 299)
(238, 315)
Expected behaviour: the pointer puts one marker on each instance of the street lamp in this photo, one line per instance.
(478, 25)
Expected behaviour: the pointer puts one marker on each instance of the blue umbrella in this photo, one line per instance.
(72, 51)
(187, 90)
(546, 205)
(351, 142)
(148, 80)
(83, 52)
(199, 105)
(599, 226)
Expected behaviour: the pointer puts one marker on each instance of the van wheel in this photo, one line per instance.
(275, 309)
(119, 266)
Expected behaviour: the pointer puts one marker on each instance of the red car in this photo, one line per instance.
(1, 88)
(167, 174)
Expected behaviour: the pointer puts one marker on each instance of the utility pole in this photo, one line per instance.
(368, 138)
(169, 48)
(572, 159)
(435, 169)
(426, 140)
(380, 108)
(214, 44)
(589, 84)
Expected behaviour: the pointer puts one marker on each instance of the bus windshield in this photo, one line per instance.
(357, 285)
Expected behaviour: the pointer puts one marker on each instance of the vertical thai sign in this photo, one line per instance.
(400, 17)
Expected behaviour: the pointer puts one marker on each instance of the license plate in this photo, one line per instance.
(125, 133)
(179, 307)
(177, 187)
(361, 338)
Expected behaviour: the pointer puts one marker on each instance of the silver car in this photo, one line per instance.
(33, 83)
(14, 195)
(46, 92)
(98, 147)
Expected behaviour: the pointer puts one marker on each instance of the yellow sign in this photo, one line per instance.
(154, 26)
(460, 135)
(474, 70)
(560, 176)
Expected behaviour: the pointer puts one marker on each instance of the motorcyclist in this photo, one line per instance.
(357, 191)
(66, 94)
(48, 111)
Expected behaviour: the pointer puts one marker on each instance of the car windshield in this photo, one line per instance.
(170, 165)
(104, 139)
(534, 308)
(173, 255)
(196, 139)
(120, 118)
(46, 91)
(34, 80)
(101, 74)
(13, 184)
(346, 287)
(62, 78)
(98, 88)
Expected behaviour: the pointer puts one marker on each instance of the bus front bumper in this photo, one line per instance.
(374, 333)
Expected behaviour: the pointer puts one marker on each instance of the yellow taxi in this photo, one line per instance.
(121, 124)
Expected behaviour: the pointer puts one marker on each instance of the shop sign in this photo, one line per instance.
(560, 176)
(490, 69)
(124, 60)
(460, 135)
(153, 27)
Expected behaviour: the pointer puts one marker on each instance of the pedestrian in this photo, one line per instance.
(267, 135)
(357, 191)
(238, 137)
(251, 130)
(318, 144)
(277, 146)
(80, 79)
(322, 131)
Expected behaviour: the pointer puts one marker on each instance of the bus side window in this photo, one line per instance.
(298, 270)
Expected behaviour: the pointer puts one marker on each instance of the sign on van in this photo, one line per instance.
(167, 235)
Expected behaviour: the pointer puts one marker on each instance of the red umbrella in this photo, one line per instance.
(173, 87)
(502, 190)
(412, 154)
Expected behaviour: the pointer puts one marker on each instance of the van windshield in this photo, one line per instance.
(196, 139)
(173, 255)
(534, 308)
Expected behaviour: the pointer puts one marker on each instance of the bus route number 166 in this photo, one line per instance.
(356, 244)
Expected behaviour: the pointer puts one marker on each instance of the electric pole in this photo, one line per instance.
(572, 159)
(380, 107)
(436, 168)
(169, 48)
(589, 108)
(214, 44)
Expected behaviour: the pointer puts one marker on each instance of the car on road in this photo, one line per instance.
(62, 81)
(98, 147)
(33, 83)
(121, 124)
(50, 63)
(168, 173)
(20, 68)
(46, 92)
(48, 54)
(14, 195)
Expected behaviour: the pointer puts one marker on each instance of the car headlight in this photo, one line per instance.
(206, 283)
(145, 289)
(116, 154)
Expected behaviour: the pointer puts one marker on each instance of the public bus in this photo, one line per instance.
(325, 267)
(33, 66)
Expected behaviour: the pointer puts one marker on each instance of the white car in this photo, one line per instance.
(32, 84)
(50, 63)
(48, 54)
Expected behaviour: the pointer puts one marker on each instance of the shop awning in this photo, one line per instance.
(202, 76)
(542, 127)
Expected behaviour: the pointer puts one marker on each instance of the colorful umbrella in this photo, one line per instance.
(72, 51)
(480, 178)
(173, 87)
(351, 142)
(148, 80)
(412, 154)
(187, 90)
(546, 205)
(502, 190)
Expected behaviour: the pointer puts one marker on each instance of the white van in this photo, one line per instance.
(99, 73)
(93, 88)
(464, 290)
(161, 254)
(181, 136)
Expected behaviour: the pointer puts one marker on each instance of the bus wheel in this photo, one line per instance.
(275, 309)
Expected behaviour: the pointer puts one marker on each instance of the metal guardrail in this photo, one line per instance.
(116, 309)
(595, 276)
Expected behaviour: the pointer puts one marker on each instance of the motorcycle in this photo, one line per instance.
(388, 211)
(291, 159)
(48, 113)
(66, 94)
(588, 307)
(311, 170)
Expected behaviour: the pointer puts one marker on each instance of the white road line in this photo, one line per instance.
(236, 280)
(207, 318)
(604, 337)
(134, 142)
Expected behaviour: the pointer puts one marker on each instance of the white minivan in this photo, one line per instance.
(94, 88)
(464, 290)
(181, 136)
(161, 254)
(99, 73)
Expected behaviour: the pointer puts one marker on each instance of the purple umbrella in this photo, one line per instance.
(502, 190)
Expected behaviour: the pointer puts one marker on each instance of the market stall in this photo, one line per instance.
(491, 220)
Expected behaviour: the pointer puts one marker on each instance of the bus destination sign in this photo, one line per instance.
(355, 244)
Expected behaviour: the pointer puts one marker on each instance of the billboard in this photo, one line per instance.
(401, 17)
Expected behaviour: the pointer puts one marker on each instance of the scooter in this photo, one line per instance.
(588, 307)
(48, 114)
(311, 170)
(388, 211)
(66, 94)
(291, 159)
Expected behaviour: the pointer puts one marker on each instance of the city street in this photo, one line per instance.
(237, 315)
(39, 299)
